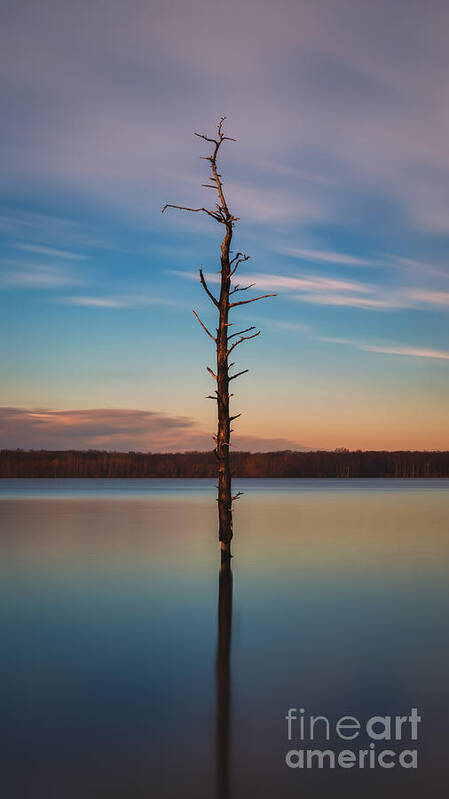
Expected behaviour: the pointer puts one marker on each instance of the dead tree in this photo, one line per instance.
(225, 342)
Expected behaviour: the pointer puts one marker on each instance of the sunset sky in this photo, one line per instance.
(340, 176)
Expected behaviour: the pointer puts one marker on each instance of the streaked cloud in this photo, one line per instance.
(39, 250)
(389, 349)
(286, 282)
(114, 302)
(351, 301)
(95, 302)
(331, 291)
(284, 326)
(413, 265)
(305, 283)
(334, 88)
(327, 256)
(297, 174)
(316, 290)
(115, 429)
(336, 95)
(52, 231)
(24, 275)
(261, 205)
(429, 297)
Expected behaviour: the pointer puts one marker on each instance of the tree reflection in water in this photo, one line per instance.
(223, 677)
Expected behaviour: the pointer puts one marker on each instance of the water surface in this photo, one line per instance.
(109, 593)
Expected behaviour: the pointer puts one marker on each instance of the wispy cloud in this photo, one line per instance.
(334, 89)
(389, 349)
(288, 282)
(63, 254)
(284, 326)
(262, 205)
(435, 298)
(351, 301)
(322, 290)
(327, 256)
(299, 174)
(23, 275)
(412, 265)
(51, 231)
(335, 292)
(115, 302)
(306, 283)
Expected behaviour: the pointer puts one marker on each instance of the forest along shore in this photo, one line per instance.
(340, 463)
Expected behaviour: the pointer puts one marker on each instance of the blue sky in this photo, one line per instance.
(340, 176)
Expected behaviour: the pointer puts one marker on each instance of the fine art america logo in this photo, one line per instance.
(382, 732)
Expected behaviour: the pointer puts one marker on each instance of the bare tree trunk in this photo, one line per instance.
(224, 420)
(229, 266)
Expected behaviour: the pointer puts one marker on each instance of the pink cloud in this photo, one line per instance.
(115, 429)
(429, 297)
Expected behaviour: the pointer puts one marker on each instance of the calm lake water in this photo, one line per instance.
(109, 676)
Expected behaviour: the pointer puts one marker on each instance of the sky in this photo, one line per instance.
(340, 177)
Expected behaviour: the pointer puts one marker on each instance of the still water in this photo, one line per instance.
(120, 679)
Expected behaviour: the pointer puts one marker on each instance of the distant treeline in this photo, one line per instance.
(339, 463)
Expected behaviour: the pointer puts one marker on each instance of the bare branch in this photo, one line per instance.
(237, 495)
(255, 299)
(247, 329)
(237, 260)
(206, 138)
(237, 287)
(211, 372)
(194, 210)
(231, 418)
(207, 290)
(243, 338)
(204, 326)
(223, 211)
(232, 377)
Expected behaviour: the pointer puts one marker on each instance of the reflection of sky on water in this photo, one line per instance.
(108, 615)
